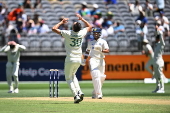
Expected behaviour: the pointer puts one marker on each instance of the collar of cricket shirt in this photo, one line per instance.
(98, 39)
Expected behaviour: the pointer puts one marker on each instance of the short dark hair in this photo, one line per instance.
(77, 27)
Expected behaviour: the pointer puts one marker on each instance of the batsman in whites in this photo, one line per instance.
(95, 50)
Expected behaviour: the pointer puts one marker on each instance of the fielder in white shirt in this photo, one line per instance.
(73, 45)
(95, 50)
(159, 62)
(12, 49)
(148, 51)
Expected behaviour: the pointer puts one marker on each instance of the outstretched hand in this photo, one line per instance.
(65, 20)
(79, 16)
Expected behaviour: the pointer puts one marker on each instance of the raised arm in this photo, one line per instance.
(21, 47)
(17, 46)
(55, 28)
(87, 24)
(161, 38)
(5, 48)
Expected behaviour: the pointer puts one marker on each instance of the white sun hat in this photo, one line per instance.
(145, 40)
(95, 6)
(139, 22)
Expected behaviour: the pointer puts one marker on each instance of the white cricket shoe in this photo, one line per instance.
(160, 91)
(99, 97)
(76, 99)
(16, 90)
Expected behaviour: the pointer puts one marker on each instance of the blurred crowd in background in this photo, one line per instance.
(119, 19)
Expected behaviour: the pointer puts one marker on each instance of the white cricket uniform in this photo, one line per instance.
(148, 48)
(159, 63)
(12, 66)
(97, 64)
(73, 45)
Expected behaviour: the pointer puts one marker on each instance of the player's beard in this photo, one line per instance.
(97, 36)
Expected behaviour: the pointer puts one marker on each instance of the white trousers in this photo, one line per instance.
(12, 71)
(148, 66)
(97, 69)
(70, 69)
(158, 73)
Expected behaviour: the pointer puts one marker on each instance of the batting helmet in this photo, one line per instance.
(97, 30)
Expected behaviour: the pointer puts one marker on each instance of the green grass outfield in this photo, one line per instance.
(119, 97)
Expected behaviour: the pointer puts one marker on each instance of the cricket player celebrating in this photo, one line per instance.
(12, 67)
(159, 62)
(73, 46)
(148, 51)
(96, 49)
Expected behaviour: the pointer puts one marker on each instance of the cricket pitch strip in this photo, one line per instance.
(105, 99)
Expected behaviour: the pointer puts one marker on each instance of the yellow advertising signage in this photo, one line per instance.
(127, 67)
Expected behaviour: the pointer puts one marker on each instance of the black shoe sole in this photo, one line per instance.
(77, 101)
(81, 97)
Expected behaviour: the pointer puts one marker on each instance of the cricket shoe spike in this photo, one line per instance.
(76, 99)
